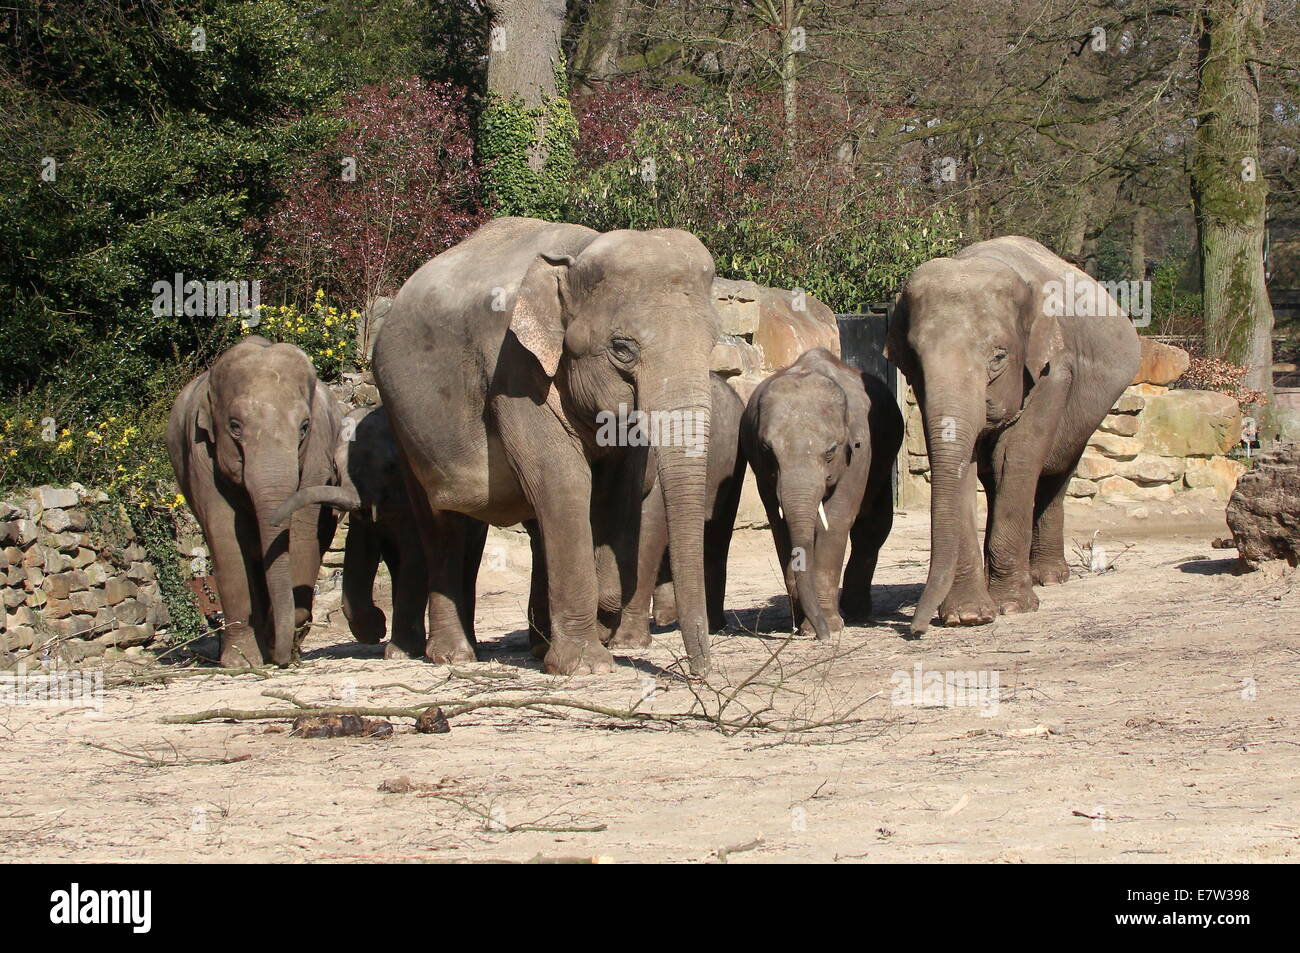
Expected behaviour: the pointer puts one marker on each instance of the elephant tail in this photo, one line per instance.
(340, 497)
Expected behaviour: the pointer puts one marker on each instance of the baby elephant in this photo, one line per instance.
(822, 438)
(381, 527)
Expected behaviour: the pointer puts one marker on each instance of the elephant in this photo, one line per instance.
(1015, 356)
(822, 438)
(726, 475)
(519, 369)
(243, 436)
(381, 526)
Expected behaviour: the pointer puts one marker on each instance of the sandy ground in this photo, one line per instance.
(1145, 713)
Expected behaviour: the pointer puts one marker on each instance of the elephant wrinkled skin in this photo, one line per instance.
(244, 436)
(1012, 376)
(497, 364)
(822, 438)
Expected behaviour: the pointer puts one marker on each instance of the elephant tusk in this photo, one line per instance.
(780, 511)
(821, 511)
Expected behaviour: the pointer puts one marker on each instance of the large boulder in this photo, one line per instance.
(790, 323)
(1264, 512)
(1184, 423)
(1161, 363)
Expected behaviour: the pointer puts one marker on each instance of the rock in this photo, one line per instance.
(118, 589)
(1264, 511)
(128, 636)
(1219, 474)
(1129, 404)
(130, 612)
(366, 395)
(12, 555)
(1147, 468)
(21, 615)
(80, 651)
(1113, 445)
(96, 574)
(1185, 423)
(53, 498)
(141, 572)
(791, 323)
(733, 357)
(1093, 466)
(737, 305)
(1079, 488)
(12, 598)
(1126, 425)
(20, 637)
(56, 521)
(61, 585)
(1122, 488)
(22, 532)
(1161, 363)
(1147, 390)
(87, 600)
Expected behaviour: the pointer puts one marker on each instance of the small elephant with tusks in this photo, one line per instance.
(243, 437)
(822, 438)
(382, 526)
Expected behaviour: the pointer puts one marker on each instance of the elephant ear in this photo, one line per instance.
(1044, 341)
(538, 316)
(203, 411)
(897, 350)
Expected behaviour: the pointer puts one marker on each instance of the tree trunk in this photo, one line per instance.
(597, 58)
(789, 73)
(1229, 193)
(526, 130)
(1137, 248)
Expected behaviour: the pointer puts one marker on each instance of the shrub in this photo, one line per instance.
(415, 194)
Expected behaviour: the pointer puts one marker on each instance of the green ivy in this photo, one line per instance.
(155, 528)
(509, 133)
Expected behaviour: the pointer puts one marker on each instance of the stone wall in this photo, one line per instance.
(77, 582)
(1156, 444)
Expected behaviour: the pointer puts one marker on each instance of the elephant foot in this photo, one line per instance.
(856, 609)
(400, 653)
(449, 651)
(368, 625)
(834, 623)
(665, 605)
(968, 608)
(631, 636)
(235, 656)
(578, 657)
(1013, 596)
(1050, 572)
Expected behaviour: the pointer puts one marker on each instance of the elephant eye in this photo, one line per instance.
(998, 360)
(302, 430)
(830, 453)
(236, 428)
(624, 349)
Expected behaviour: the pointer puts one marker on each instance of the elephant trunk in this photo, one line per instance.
(268, 490)
(801, 516)
(340, 497)
(683, 475)
(950, 437)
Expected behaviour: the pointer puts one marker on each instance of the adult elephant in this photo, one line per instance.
(381, 527)
(1015, 356)
(244, 436)
(822, 438)
(501, 364)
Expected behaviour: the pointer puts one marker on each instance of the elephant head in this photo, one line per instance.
(972, 337)
(627, 324)
(267, 416)
(806, 446)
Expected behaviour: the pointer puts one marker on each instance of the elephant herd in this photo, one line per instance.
(552, 376)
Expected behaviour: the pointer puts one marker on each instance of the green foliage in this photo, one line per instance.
(156, 528)
(326, 334)
(785, 218)
(509, 134)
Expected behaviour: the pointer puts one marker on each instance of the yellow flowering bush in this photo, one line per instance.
(325, 333)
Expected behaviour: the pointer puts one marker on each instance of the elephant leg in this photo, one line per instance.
(360, 560)
(665, 595)
(240, 647)
(475, 532)
(784, 550)
(409, 573)
(717, 546)
(828, 560)
(563, 513)
(445, 537)
(1047, 563)
(969, 601)
(1018, 460)
(311, 530)
(634, 628)
(616, 509)
(867, 535)
(539, 602)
